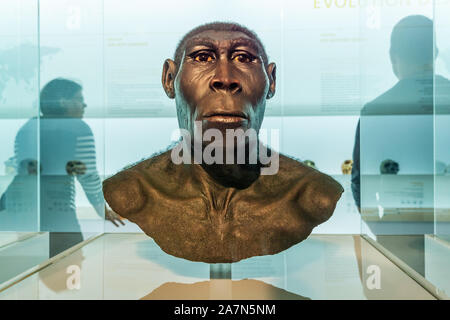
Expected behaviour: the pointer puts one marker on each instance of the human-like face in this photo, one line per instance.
(221, 81)
(75, 106)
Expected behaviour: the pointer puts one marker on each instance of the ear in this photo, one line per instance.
(271, 73)
(168, 77)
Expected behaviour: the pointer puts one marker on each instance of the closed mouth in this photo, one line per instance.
(225, 116)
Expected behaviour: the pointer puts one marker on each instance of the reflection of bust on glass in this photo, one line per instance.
(221, 289)
(218, 213)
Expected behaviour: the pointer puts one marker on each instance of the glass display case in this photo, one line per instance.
(362, 94)
(132, 266)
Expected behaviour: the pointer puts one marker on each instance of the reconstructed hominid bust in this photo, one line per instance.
(203, 200)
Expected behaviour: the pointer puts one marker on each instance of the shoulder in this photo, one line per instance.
(127, 192)
(31, 124)
(124, 192)
(313, 192)
(309, 177)
(383, 101)
(80, 127)
(319, 196)
(290, 171)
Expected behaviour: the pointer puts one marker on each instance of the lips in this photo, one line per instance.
(226, 117)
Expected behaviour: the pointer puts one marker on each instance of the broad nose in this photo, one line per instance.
(224, 80)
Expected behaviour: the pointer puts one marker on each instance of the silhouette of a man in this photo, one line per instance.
(412, 54)
(399, 122)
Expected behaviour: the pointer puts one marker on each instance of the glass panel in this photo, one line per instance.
(437, 248)
(395, 151)
(320, 92)
(72, 125)
(322, 267)
(21, 246)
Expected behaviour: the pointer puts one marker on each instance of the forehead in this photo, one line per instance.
(78, 94)
(221, 35)
(222, 38)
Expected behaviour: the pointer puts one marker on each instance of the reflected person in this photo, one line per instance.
(221, 211)
(67, 151)
(397, 126)
(412, 54)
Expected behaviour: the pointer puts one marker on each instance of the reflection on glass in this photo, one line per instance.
(437, 247)
(247, 289)
(65, 275)
(67, 152)
(23, 247)
(392, 175)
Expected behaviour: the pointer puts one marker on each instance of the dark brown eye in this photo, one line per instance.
(244, 58)
(203, 57)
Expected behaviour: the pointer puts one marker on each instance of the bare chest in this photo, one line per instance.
(202, 227)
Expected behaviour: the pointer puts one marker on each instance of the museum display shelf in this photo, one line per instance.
(132, 266)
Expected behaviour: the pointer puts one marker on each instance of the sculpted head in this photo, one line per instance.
(220, 76)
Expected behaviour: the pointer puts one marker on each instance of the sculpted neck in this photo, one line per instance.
(221, 183)
(238, 176)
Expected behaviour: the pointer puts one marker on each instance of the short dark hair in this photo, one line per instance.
(218, 26)
(412, 39)
(55, 90)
